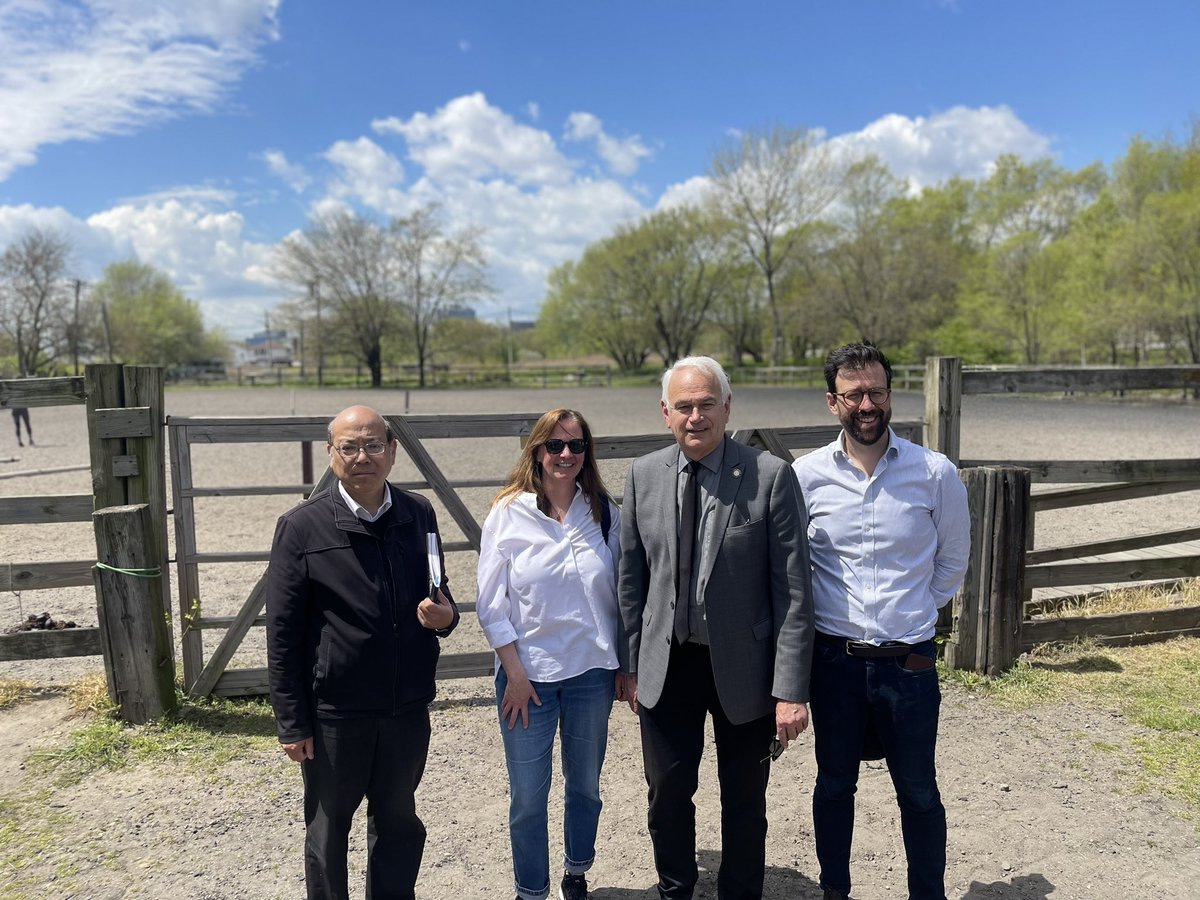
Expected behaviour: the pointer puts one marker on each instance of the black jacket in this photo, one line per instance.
(343, 639)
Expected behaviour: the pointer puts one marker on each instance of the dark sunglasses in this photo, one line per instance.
(775, 752)
(576, 445)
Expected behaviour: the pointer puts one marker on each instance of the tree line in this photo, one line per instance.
(797, 247)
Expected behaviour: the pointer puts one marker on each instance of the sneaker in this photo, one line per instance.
(574, 887)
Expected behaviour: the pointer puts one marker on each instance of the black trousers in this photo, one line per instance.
(381, 759)
(672, 743)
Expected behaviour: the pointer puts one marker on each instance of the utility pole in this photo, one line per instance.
(510, 344)
(314, 291)
(75, 327)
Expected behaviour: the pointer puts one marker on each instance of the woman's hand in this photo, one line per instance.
(517, 694)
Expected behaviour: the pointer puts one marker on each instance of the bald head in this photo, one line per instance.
(354, 434)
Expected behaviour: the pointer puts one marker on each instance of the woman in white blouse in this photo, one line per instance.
(548, 606)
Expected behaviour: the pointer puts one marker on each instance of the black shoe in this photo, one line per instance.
(831, 894)
(574, 887)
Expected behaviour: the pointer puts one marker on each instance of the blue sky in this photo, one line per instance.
(196, 134)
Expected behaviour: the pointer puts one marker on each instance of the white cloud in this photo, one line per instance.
(469, 138)
(957, 142)
(692, 192)
(368, 173)
(82, 70)
(622, 156)
(292, 174)
(533, 110)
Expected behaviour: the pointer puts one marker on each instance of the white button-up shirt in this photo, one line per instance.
(550, 587)
(888, 550)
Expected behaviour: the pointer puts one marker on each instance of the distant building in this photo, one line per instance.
(458, 311)
(267, 349)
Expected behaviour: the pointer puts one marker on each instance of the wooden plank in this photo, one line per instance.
(982, 380)
(943, 405)
(54, 470)
(123, 422)
(282, 429)
(1108, 493)
(252, 681)
(433, 474)
(39, 576)
(139, 656)
(187, 574)
(1074, 471)
(50, 644)
(35, 392)
(217, 622)
(962, 645)
(46, 509)
(305, 489)
(1112, 572)
(1068, 628)
(1100, 548)
(105, 390)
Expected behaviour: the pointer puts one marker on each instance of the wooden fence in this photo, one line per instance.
(209, 673)
(127, 507)
(1092, 482)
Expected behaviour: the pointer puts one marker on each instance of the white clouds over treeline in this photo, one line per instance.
(541, 191)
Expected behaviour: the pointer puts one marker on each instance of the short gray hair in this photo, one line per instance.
(705, 364)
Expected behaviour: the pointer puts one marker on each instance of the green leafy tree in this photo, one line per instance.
(150, 321)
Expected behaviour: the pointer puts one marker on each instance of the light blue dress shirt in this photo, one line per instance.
(888, 550)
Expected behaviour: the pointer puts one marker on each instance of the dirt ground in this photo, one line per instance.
(1042, 803)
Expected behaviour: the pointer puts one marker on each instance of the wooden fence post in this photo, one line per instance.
(986, 635)
(136, 642)
(943, 405)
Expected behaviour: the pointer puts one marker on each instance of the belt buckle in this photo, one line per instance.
(852, 646)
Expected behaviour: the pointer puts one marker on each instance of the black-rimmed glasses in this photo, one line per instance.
(775, 752)
(575, 445)
(878, 396)
(350, 452)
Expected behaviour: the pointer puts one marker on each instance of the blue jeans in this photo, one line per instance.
(853, 698)
(581, 706)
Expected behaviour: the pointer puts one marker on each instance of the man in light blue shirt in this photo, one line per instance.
(889, 534)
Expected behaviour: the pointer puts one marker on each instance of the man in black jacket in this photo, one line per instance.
(352, 648)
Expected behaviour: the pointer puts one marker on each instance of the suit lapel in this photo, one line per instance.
(732, 466)
(669, 505)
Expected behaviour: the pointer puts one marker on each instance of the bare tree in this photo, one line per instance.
(768, 184)
(351, 257)
(35, 297)
(434, 272)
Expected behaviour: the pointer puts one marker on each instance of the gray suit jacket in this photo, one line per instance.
(755, 581)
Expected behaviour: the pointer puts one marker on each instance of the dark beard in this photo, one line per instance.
(852, 428)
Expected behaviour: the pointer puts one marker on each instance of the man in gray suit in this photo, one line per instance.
(715, 605)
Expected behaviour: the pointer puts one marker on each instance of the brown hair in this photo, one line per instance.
(526, 476)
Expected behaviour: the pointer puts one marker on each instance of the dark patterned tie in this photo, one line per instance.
(687, 544)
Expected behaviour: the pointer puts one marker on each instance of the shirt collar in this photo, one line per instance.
(892, 451)
(712, 462)
(361, 511)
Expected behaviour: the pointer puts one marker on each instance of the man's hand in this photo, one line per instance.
(791, 719)
(627, 689)
(299, 751)
(435, 613)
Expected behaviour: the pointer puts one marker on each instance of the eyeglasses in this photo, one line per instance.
(576, 445)
(878, 396)
(350, 452)
(775, 752)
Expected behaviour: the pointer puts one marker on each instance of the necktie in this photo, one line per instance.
(687, 544)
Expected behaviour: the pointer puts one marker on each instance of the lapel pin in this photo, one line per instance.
(737, 472)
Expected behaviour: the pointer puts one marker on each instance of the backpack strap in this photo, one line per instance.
(605, 518)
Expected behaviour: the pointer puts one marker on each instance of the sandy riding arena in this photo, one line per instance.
(1042, 803)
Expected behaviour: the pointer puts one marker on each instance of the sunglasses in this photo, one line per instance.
(575, 445)
(774, 753)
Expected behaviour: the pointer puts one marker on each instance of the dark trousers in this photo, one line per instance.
(851, 697)
(381, 759)
(672, 742)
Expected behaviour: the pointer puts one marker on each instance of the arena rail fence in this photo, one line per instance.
(992, 626)
(127, 506)
(208, 673)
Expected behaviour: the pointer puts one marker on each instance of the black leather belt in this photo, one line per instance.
(862, 648)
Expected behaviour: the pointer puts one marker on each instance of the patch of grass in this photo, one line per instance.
(16, 690)
(1133, 599)
(1155, 686)
(204, 734)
